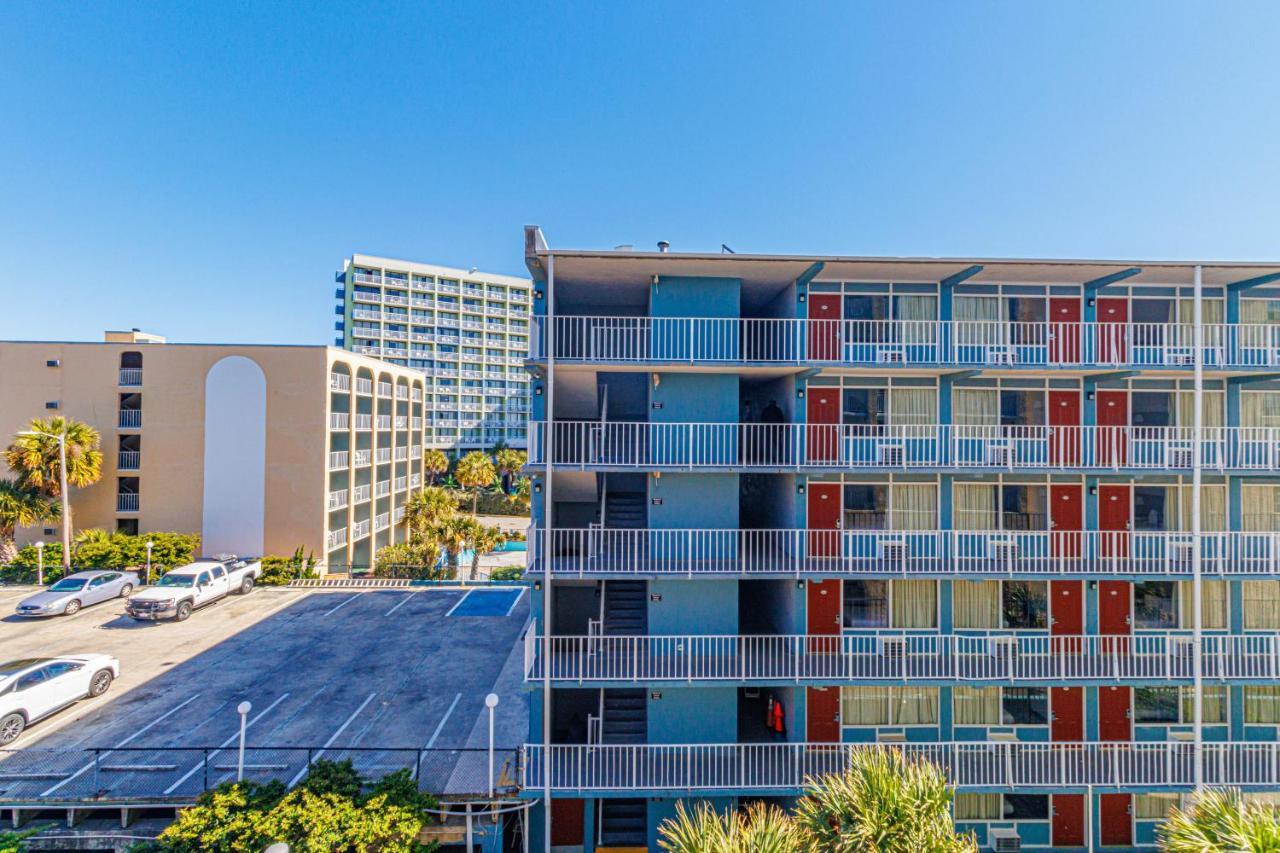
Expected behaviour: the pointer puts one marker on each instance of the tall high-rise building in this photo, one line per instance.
(1018, 517)
(466, 331)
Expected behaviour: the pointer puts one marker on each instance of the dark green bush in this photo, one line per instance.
(279, 571)
(507, 573)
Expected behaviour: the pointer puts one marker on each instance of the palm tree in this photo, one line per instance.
(452, 535)
(436, 464)
(427, 508)
(509, 462)
(21, 507)
(1221, 822)
(760, 828)
(884, 801)
(36, 457)
(483, 540)
(475, 471)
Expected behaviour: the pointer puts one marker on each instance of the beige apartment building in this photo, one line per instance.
(261, 449)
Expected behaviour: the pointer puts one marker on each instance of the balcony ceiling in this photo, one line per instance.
(621, 270)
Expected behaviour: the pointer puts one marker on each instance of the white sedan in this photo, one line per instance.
(34, 688)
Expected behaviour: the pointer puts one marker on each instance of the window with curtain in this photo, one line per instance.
(1260, 408)
(1155, 604)
(976, 406)
(914, 506)
(1213, 408)
(864, 706)
(913, 706)
(983, 309)
(1260, 311)
(866, 604)
(1154, 806)
(1261, 605)
(1213, 604)
(1260, 507)
(919, 310)
(975, 605)
(978, 321)
(1214, 311)
(913, 406)
(976, 706)
(976, 506)
(1025, 604)
(1262, 705)
(978, 807)
(1213, 508)
(915, 604)
(1215, 704)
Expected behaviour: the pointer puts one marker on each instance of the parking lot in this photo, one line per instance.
(375, 675)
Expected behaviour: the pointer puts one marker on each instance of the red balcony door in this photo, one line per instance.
(1113, 427)
(1115, 821)
(1115, 713)
(1113, 330)
(1064, 319)
(1068, 820)
(1064, 423)
(1115, 514)
(824, 519)
(824, 328)
(1066, 608)
(1115, 604)
(822, 715)
(1066, 705)
(823, 415)
(823, 616)
(1066, 521)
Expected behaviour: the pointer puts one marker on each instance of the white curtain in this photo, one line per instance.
(979, 321)
(976, 406)
(975, 506)
(922, 310)
(976, 605)
(864, 706)
(984, 309)
(1260, 507)
(915, 604)
(913, 706)
(1261, 605)
(1260, 409)
(914, 506)
(1213, 604)
(976, 706)
(913, 406)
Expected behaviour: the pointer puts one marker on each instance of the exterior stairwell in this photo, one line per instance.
(626, 608)
(625, 717)
(623, 824)
(625, 511)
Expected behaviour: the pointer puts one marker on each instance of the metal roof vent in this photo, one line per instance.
(663, 245)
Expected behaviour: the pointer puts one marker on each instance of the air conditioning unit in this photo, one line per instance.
(999, 455)
(1182, 648)
(1001, 355)
(891, 355)
(894, 551)
(1182, 553)
(891, 454)
(1179, 457)
(1181, 356)
(1004, 840)
(1003, 550)
(894, 648)
(891, 737)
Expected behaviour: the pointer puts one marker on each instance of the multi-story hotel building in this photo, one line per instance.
(261, 449)
(965, 508)
(466, 331)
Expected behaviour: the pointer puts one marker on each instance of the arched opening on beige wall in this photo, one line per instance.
(235, 458)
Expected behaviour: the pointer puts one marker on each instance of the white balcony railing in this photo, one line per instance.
(128, 460)
(935, 343)
(360, 529)
(363, 422)
(385, 389)
(382, 521)
(384, 421)
(363, 458)
(896, 656)
(401, 483)
(339, 420)
(340, 381)
(336, 538)
(338, 459)
(919, 553)
(382, 454)
(360, 494)
(647, 445)
(364, 385)
(337, 499)
(784, 767)
(127, 502)
(130, 418)
(130, 377)
(402, 453)
(382, 488)
(415, 480)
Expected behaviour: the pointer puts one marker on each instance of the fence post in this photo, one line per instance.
(97, 757)
(205, 766)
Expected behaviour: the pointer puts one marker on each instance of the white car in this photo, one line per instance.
(194, 585)
(33, 688)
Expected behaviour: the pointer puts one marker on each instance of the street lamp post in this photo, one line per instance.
(243, 710)
(491, 702)
(150, 545)
(62, 492)
(40, 563)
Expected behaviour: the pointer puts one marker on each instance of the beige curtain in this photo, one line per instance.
(976, 605)
(1213, 604)
(977, 308)
(1260, 408)
(1260, 507)
(913, 706)
(917, 308)
(1212, 407)
(1261, 605)
(1214, 311)
(864, 706)
(1154, 806)
(915, 604)
(913, 406)
(978, 807)
(1262, 704)
(976, 706)
(975, 506)
(1215, 704)
(1259, 311)
(1213, 508)
(914, 506)
(976, 406)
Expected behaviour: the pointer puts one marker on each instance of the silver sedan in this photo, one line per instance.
(71, 593)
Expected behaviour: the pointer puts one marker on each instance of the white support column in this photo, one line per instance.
(1197, 639)
(548, 451)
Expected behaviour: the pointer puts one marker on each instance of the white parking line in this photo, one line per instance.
(458, 604)
(333, 737)
(443, 720)
(232, 739)
(517, 601)
(343, 604)
(175, 709)
(399, 604)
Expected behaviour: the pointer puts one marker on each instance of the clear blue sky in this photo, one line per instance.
(200, 170)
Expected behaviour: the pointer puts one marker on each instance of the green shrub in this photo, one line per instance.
(279, 571)
(409, 561)
(507, 573)
(23, 569)
(97, 549)
(492, 502)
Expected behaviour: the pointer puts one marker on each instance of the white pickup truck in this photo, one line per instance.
(194, 585)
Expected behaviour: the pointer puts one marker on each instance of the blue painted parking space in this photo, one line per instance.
(487, 602)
